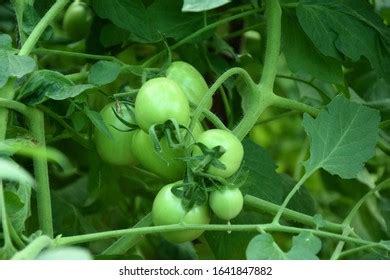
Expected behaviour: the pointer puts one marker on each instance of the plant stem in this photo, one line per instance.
(289, 197)
(126, 242)
(31, 41)
(203, 102)
(319, 90)
(75, 135)
(41, 174)
(347, 221)
(33, 249)
(273, 14)
(15, 105)
(214, 120)
(77, 54)
(77, 239)
(289, 214)
(355, 250)
(261, 101)
(294, 105)
(7, 92)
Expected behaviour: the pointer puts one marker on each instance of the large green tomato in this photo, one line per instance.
(234, 151)
(159, 100)
(190, 80)
(167, 163)
(116, 149)
(168, 210)
(226, 203)
(77, 20)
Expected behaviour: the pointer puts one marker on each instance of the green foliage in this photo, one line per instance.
(305, 246)
(104, 72)
(342, 138)
(148, 24)
(352, 29)
(12, 65)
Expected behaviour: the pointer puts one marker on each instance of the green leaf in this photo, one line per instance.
(104, 72)
(347, 27)
(18, 205)
(12, 65)
(49, 84)
(9, 170)
(263, 181)
(302, 56)
(31, 19)
(342, 137)
(148, 24)
(97, 121)
(202, 5)
(305, 246)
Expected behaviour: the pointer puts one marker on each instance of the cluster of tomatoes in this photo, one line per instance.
(154, 133)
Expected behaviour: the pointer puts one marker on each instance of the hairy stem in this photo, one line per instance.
(289, 197)
(41, 174)
(31, 41)
(289, 214)
(273, 14)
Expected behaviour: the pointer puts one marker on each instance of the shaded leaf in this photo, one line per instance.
(303, 56)
(347, 28)
(104, 72)
(148, 24)
(12, 65)
(49, 84)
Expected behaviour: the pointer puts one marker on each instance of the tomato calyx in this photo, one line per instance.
(170, 129)
(209, 157)
(130, 111)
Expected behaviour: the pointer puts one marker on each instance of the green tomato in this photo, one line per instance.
(190, 80)
(234, 151)
(77, 20)
(159, 100)
(116, 149)
(167, 163)
(226, 203)
(168, 210)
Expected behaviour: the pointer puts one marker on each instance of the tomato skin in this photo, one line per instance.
(116, 150)
(190, 80)
(234, 151)
(77, 20)
(159, 100)
(226, 203)
(166, 163)
(167, 210)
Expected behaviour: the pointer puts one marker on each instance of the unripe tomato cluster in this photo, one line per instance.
(214, 153)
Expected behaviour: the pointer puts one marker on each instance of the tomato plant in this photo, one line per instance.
(116, 148)
(125, 126)
(77, 20)
(168, 210)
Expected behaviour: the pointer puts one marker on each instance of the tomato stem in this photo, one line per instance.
(51, 14)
